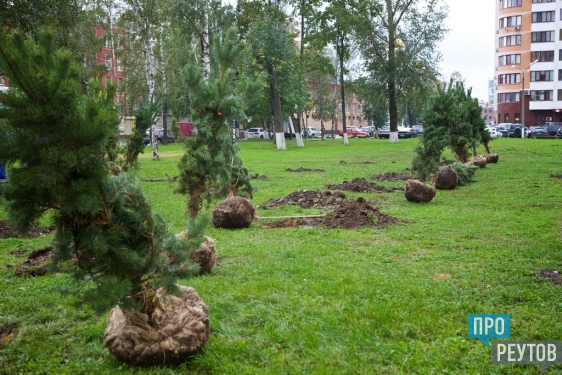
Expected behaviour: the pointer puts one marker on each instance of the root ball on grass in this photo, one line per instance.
(446, 178)
(492, 158)
(417, 191)
(234, 213)
(178, 328)
(479, 161)
(206, 256)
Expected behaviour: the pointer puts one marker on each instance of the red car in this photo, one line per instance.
(353, 132)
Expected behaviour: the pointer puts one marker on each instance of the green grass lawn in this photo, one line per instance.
(314, 301)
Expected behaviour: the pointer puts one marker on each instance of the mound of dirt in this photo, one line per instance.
(391, 176)
(307, 199)
(353, 214)
(258, 176)
(7, 232)
(36, 263)
(301, 169)
(173, 179)
(357, 162)
(552, 275)
(558, 176)
(361, 185)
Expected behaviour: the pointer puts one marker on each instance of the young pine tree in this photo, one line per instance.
(439, 114)
(54, 142)
(210, 166)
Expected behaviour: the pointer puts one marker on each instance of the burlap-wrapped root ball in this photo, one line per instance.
(180, 327)
(492, 158)
(234, 213)
(446, 178)
(417, 191)
(206, 256)
(479, 161)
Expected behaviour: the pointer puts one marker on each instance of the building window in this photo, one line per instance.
(354, 108)
(512, 40)
(542, 36)
(506, 79)
(559, 97)
(543, 1)
(510, 21)
(508, 97)
(120, 83)
(542, 75)
(516, 117)
(509, 3)
(507, 117)
(108, 61)
(120, 65)
(510, 60)
(107, 81)
(543, 16)
(347, 108)
(541, 95)
(542, 56)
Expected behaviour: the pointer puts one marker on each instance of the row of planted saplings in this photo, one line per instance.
(447, 178)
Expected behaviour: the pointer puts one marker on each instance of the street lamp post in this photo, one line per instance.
(523, 96)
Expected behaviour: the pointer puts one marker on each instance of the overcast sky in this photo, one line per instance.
(469, 45)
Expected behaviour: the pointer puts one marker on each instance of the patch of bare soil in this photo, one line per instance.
(36, 263)
(301, 169)
(362, 186)
(258, 176)
(166, 179)
(357, 162)
(7, 232)
(353, 214)
(391, 176)
(18, 253)
(307, 199)
(558, 176)
(552, 275)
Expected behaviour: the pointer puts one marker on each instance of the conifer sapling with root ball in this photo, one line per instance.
(56, 148)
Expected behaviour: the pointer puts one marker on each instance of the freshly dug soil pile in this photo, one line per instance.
(301, 169)
(552, 275)
(479, 161)
(391, 176)
(417, 191)
(362, 186)
(446, 178)
(492, 158)
(307, 199)
(7, 232)
(36, 263)
(356, 162)
(179, 328)
(258, 176)
(173, 179)
(558, 176)
(352, 214)
(234, 213)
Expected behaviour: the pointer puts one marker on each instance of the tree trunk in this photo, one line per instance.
(298, 133)
(341, 56)
(277, 115)
(164, 86)
(391, 81)
(204, 36)
(155, 155)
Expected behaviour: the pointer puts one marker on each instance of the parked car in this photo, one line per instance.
(312, 132)
(537, 132)
(352, 132)
(503, 129)
(418, 129)
(493, 132)
(371, 131)
(169, 138)
(554, 131)
(384, 132)
(514, 130)
(403, 132)
(257, 133)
